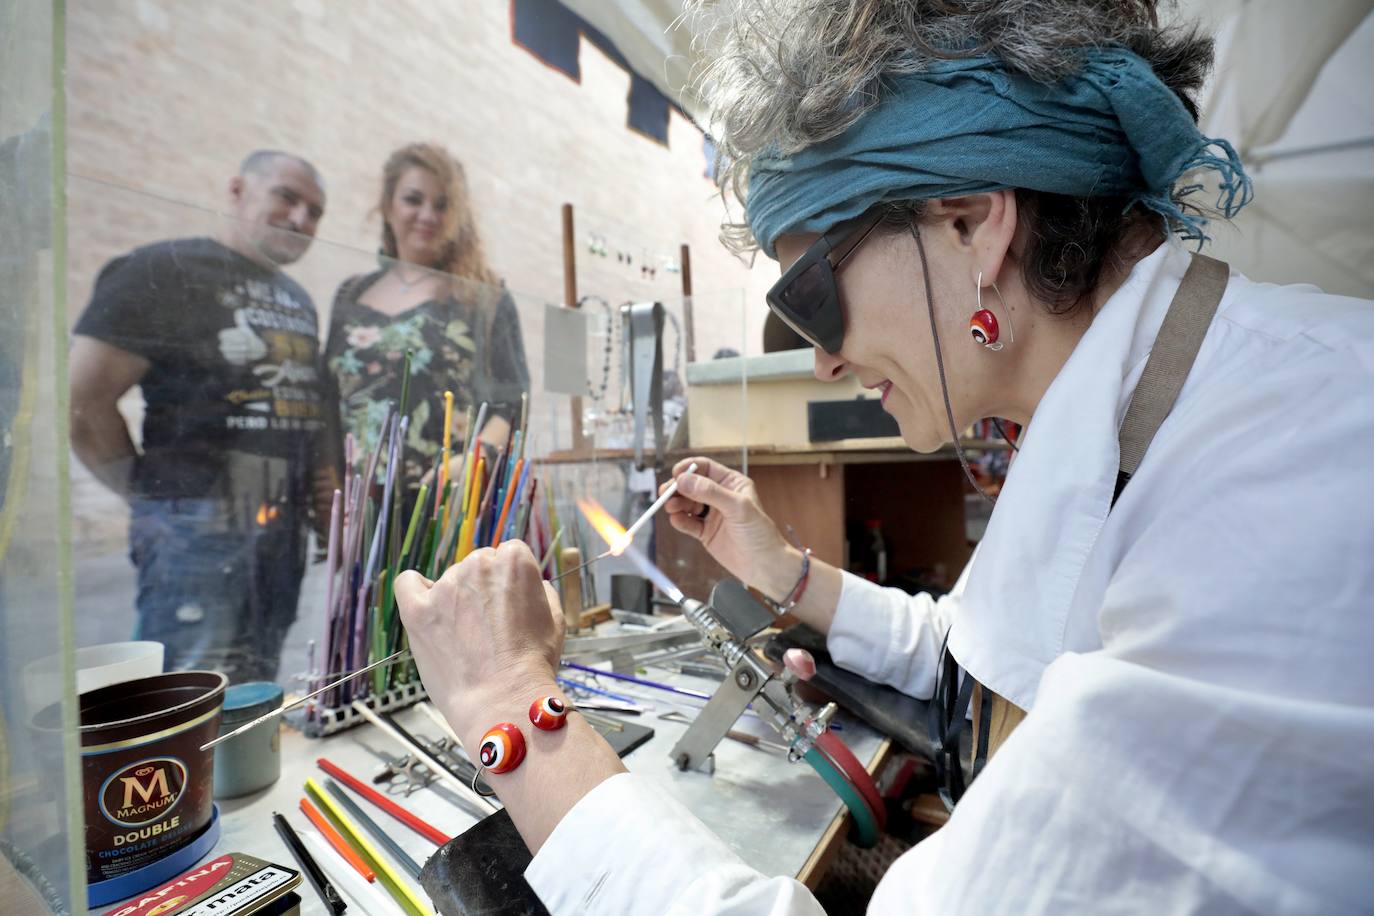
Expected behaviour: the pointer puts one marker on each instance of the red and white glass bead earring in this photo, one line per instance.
(548, 714)
(983, 325)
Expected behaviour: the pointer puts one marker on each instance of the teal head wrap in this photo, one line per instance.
(970, 126)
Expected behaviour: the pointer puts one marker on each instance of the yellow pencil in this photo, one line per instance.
(485, 481)
(472, 470)
(467, 533)
(393, 882)
(461, 483)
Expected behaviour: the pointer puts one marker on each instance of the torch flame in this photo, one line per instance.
(613, 533)
(603, 523)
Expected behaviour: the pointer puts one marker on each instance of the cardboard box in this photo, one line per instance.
(763, 399)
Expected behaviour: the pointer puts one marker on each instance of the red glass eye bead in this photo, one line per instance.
(502, 748)
(983, 327)
(549, 713)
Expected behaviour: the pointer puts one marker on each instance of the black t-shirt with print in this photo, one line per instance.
(236, 403)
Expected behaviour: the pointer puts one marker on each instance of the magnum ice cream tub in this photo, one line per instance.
(148, 787)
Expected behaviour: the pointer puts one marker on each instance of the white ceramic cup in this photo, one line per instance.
(96, 666)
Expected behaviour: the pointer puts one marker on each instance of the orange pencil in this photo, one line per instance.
(510, 495)
(338, 842)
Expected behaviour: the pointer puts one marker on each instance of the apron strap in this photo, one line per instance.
(1171, 358)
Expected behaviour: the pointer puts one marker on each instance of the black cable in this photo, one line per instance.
(997, 425)
(940, 365)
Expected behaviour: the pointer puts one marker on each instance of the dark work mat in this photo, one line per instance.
(626, 740)
(889, 711)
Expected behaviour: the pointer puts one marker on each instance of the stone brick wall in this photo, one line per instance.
(165, 98)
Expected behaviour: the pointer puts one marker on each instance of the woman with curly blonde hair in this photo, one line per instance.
(1161, 646)
(436, 296)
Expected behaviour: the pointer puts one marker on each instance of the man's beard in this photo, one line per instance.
(282, 246)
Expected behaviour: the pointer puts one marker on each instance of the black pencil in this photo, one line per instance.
(374, 828)
(327, 893)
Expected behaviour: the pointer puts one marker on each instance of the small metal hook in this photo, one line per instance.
(477, 774)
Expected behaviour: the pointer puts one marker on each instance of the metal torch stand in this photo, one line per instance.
(749, 680)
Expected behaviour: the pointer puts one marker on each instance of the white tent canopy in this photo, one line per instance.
(1292, 91)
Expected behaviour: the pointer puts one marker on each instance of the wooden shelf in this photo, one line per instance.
(866, 451)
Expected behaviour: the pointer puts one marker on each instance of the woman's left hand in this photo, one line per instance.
(488, 630)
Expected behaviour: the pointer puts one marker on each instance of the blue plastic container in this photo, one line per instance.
(252, 761)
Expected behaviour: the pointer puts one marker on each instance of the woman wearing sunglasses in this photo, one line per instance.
(985, 208)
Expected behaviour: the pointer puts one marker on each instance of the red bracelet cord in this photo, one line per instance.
(790, 600)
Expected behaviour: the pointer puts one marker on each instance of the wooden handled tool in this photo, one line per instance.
(571, 560)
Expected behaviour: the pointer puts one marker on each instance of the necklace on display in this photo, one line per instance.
(407, 285)
(597, 393)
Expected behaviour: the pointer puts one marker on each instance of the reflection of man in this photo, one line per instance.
(225, 348)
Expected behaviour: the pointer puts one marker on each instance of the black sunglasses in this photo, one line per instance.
(806, 296)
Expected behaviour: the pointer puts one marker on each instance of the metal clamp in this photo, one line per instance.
(749, 680)
(643, 360)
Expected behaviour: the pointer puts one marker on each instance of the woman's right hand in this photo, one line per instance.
(719, 507)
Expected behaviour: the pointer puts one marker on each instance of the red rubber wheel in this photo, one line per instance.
(845, 761)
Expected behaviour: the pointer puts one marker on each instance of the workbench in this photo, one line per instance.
(779, 817)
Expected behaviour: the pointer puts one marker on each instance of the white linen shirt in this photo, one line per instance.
(1196, 664)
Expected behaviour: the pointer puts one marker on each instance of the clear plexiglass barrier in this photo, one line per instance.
(228, 376)
(40, 796)
(229, 436)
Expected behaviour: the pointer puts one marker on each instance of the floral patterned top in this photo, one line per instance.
(468, 343)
